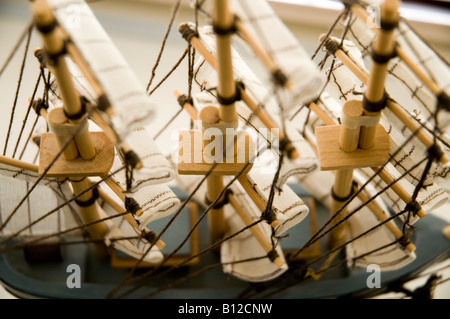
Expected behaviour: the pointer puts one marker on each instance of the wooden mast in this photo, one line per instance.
(382, 51)
(224, 119)
(68, 119)
(226, 91)
(265, 118)
(360, 124)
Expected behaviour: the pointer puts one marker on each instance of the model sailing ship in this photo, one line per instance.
(359, 159)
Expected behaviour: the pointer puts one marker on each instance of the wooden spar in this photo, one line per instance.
(256, 231)
(260, 203)
(321, 114)
(19, 164)
(187, 106)
(400, 191)
(415, 68)
(421, 133)
(259, 50)
(262, 116)
(382, 49)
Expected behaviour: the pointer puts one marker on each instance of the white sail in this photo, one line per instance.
(129, 240)
(292, 59)
(401, 84)
(132, 106)
(379, 246)
(307, 161)
(155, 200)
(288, 207)
(155, 169)
(406, 152)
(245, 246)
(15, 183)
(236, 250)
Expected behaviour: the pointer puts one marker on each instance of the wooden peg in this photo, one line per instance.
(56, 118)
(350, 135)
(446, 231)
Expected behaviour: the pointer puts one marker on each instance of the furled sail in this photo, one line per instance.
(132, 107)
(294, 64)
(404, 150)
(419, 101)
(155, 168)
(245, 246)
(155, 200)
(307, 161)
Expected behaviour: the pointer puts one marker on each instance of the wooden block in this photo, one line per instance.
(333, 158)
(98, 166)
(192, 162)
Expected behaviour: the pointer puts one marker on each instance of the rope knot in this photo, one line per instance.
(187, 33)
(220, 203)
(268, 215)
(38, 105)
(404, 240)
(443, 102)
(183, 99)
(131, 158)
(413, 207)
(90, 201)
(228, 30)
(131, 205)
(150, 236)
(272, 255)
(435, 152)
